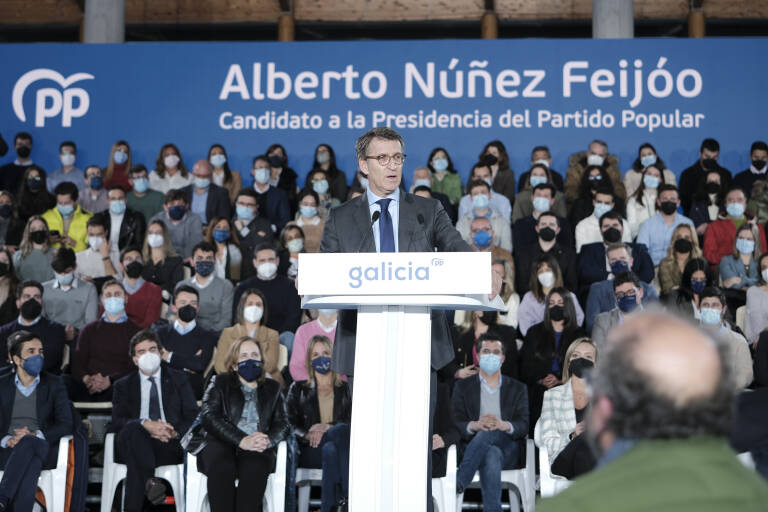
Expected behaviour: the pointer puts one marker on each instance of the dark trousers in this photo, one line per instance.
(335, 465)
(141, 453)
(575, 459)
(22, 464)
(223, 464)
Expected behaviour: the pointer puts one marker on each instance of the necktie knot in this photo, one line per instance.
(384, 204)
(386, 229)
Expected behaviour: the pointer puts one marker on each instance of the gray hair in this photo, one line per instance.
(380, 132)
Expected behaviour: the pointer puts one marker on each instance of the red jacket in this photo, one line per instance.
(719, 239)
(143, 307)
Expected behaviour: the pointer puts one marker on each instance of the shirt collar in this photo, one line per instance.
(136, 286)
(184, 330)
(73, 284)
(146, 377)
(194, 282)
(372, 198)
(27, 163)
(23, 322)
(26, 390)
(753, 170)
(121, 319)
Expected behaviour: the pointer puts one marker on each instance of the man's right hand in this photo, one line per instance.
(467, 371)
(104, 248)
(160, 430)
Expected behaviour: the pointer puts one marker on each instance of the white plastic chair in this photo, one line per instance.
(523, 479)
(274, 495)
(444, 488)
(53, 482)
(741, 319)
(282, 357)
(305, 479)
(115, 472)
(550, 484)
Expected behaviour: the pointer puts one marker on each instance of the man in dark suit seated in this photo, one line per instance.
(547, 229)
(593, 264)
(151, 409)
(524, 230)
(491, 411)
(204, 198)
(34, 414)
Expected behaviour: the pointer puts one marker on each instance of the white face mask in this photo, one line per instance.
(765, 275)
(68, 159)
(154, 240)
(547, 279)
(253, 314)
(542, 162)
(330, 328)
(266, 270)
(94, 242)
(295, 245)
(595, 160)
(171, 161)
(149, 362)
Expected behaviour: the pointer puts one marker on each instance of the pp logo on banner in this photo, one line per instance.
(71, 102)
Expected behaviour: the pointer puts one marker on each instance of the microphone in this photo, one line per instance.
(374, 218)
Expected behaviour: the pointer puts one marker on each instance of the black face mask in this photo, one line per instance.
(134, 269)
(557, 313)
(683, 246)
(4, 268)
(38, 237)
(612, 235)
(712, 187)
(758, 164)
(276, 161)
(668, 207)
(547, 234)
(31, 309)
(489, 317)
(709, 163)
(579, 366)
(34, 184)
(490, 159)
(187, 313)
(23, 151)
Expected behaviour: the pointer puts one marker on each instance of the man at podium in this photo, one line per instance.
(386, 219)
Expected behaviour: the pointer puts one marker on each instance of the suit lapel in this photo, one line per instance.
(136, 385)
(406, 222)
(474, 398)
(362, 219)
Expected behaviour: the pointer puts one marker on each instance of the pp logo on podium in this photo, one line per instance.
(70, 102)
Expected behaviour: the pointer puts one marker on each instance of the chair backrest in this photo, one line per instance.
(741, 318)
(282, 358)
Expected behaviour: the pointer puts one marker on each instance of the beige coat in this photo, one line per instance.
(269, 343)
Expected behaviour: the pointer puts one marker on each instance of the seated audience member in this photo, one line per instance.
(539, 174)
(205, 199)
(642, 204)
(594, 180)
(593, 261)
(34, 198)
(658, 434)
(252, 228)
(223, 176)
(596, 155)
(325, 160)
(97, 365)
(481, 239)
(141, 198)
(292, 243)
(68, 219)
(588, 229)
(92, 195)
(317, 403)
(151, 409)
(739, 270)
(708, 202)
(11, 225)
(758, 156)
(185, 229)
(544, 276)
(52, 335)
(162, 265)
(445, 179)
(187, 346)
(720, 235)
(67, 171)
(33, 259)
(251, 317)
(683, 247)
(280, 293)
(309, 220)
(563, 414)
(628, 293)
(8, 286)
(215, 294)
(68, 299)
(709, 152)
(422, 177)
(498, 202)
(143, 298)
(656, 232)
(540, 155)
(685, 299)
(757, 302)
(491, 412)
(126, 227)
(547, 229)
(116, 172)
(98, 260)
(36, 414)
(243, 416)
(508, 293)
(272, 200)
(524, 231)
(317, 182)
(228, 258)
(646, 158)
(170, 173)
(543, 355)
(713, 311)
(494, 154)
(323, 325)
(601, 296)
(479, 190)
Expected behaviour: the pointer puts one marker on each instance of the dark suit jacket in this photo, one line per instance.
(689, 181)
(592, 265)
(524, 232)
(423, 226)
(131, 229)
(217, 204)
(514, 405)
(275, 206)
(179, 403)
(51, 334)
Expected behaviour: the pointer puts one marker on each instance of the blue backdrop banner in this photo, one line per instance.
(456, 94)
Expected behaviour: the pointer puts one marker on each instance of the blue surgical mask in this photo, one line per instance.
(117, 207)
(735, 210)
(745, 246)
(651, 182)
(601, 209)
(480, 201)
(33, 365)
(120, 157)
(321, 364)
(490, 363)
(65, 209)
(261, 175)
(710, 316)
(482, 238)
(647, 160)
(218, 161)
(65, 279)
(244, 212)
(698, 286)
(320, 186)
(323, 157)
(537, 180)
(96, 182)
(250, 369)
(114, 305)
(423, 182)
(308, 211)
(619, 267)
(221, 235)
(627, 303)
(541, 204)
(140, 185)
(202, 182)
(440, 164)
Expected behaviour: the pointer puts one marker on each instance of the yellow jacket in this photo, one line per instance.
(77, 229)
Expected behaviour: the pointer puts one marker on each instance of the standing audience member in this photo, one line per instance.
(143, 298)
(184, 228)
(215, 294)
(683, 247)
(757, 302)
(141, 198)
(67, 299)
(33, 259)
(324, 325)
(162, 265)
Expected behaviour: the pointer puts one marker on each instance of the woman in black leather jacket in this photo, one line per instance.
(314, 407)
(244, 417)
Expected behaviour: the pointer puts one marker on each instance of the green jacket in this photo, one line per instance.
(701, 475)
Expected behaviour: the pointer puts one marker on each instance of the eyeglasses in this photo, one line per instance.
(384, 159)
(620, 295)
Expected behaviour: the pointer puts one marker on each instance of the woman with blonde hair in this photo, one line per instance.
(683, 247)
(561, 424)
(33, 259)
(116, 172)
